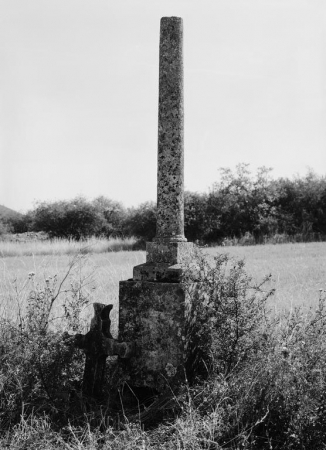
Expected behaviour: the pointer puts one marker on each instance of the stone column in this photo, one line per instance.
(152, 306)
(170, 247)
(170, 184)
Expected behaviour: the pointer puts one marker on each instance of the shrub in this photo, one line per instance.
(111, 216)
(226, 315)
(195, 217)
(39, 368)
(141, 222)
(259, 378)
(76, 219)
(4, 229)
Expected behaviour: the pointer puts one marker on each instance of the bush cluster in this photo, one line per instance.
(258, 206)
(75, 219)
(241, 208)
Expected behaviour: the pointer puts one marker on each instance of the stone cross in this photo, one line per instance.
(98, 344)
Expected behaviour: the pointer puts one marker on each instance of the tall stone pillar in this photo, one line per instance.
(152, 306)
(170, 184)
(169, 247)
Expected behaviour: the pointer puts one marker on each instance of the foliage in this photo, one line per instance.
(226, 315)
(239, 205)
(112, 215)
(21, 223)
(39, 368)
(195, 216)
(301, 204)
(260, 378)
(141, 221)
(4, 229)
(78, 219)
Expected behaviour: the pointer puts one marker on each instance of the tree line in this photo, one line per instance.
(241, 205)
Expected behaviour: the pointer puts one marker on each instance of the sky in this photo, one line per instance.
(79, 94)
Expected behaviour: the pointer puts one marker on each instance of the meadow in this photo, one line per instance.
(272, 397)
(298, 270)
(101, 272)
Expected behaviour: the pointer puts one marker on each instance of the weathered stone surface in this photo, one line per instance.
(168, 252)
(170, 183)
(153, 316)
(97, 345)
(164, 261)
(158, 272)
(152, 306)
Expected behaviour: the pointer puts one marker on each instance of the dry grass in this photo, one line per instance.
(64, 246)
(103, 272)
(298, 270)
(298, 273)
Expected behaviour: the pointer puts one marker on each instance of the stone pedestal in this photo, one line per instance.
(163, 261)
(152, 310)
(152, 314)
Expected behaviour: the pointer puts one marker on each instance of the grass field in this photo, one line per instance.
(102, 270)
(32, 247)
(298, 273)
(298, 270)
(281, 384)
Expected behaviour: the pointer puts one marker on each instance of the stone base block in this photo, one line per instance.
(158, 272)
(152, 315)
(170, 253)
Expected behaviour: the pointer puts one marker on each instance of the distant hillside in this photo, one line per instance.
(5, 212)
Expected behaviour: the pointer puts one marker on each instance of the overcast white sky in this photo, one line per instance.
(79, 93)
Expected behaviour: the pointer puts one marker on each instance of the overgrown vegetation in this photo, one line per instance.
(227, 315)
(255, 380)
(40, 368)
(56, 246)
(240, 208)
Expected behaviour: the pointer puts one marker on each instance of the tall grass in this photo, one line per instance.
(104, 270)
(264, 376)
(65, 246)
(298, 270)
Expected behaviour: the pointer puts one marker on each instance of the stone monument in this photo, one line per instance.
(152, 305)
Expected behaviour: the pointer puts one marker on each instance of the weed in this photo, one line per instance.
(227, 318)
(259, 379)
(40, 370)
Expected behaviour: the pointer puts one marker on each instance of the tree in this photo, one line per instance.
(141, 221)
(112, 215)
(195, 214)
(241, 203)
(75, 219)
(302, 204)
(21, 223)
